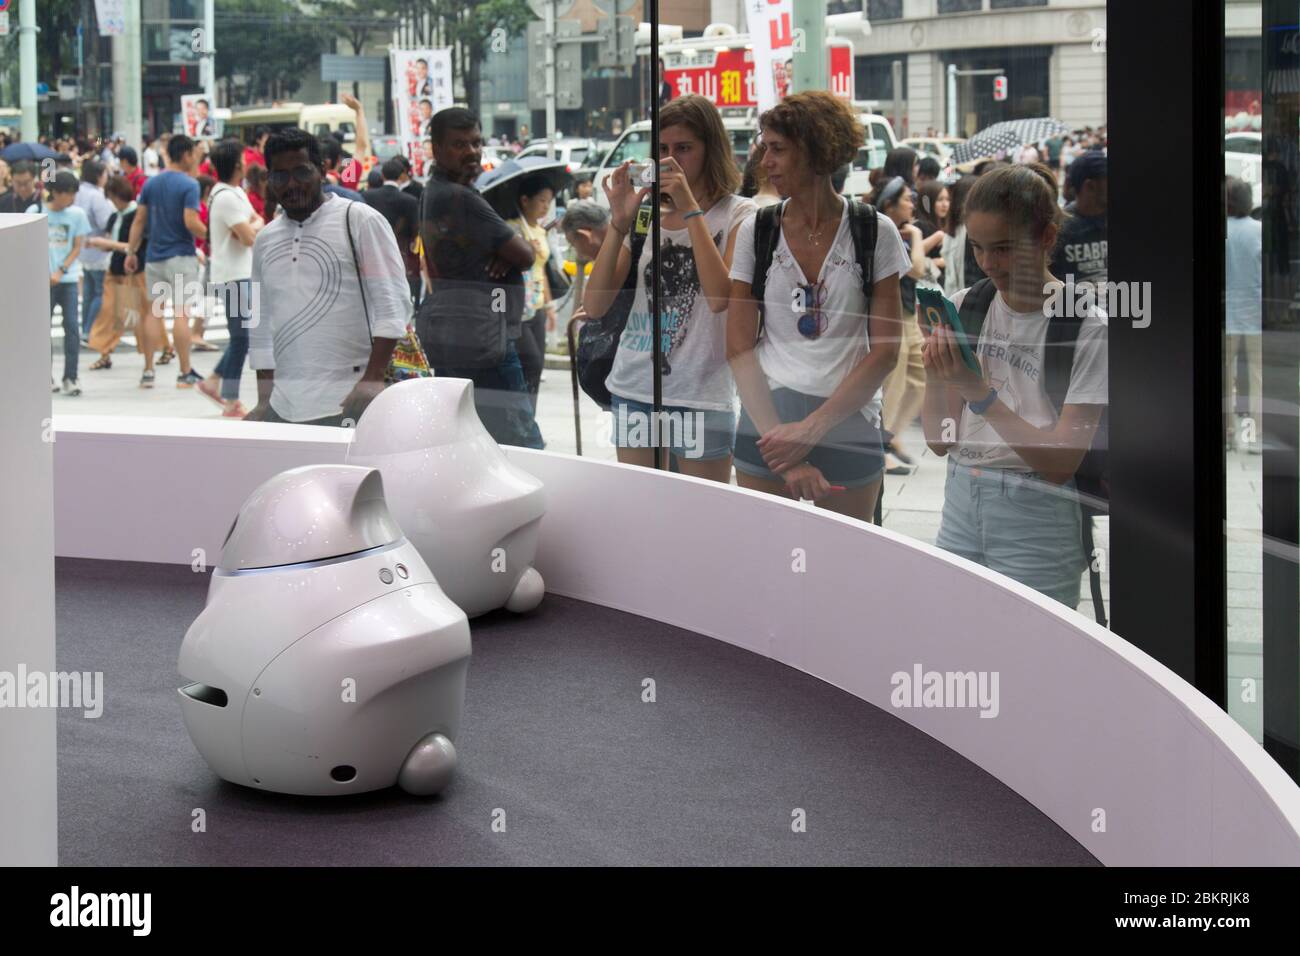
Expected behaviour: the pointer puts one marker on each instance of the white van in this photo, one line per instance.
(319, 119)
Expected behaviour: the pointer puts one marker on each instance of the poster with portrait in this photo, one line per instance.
(771, 31)
(421, 86)
(197, 121)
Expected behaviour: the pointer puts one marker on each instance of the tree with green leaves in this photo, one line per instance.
(273, 42)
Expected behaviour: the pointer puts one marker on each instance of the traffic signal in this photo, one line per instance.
(999, 88)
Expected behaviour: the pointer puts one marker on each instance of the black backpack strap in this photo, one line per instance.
(975, 309)
(864, 227)
(1058, 358)
(767, 233)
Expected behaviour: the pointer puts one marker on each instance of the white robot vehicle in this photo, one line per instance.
(472, 514)
(327, 659)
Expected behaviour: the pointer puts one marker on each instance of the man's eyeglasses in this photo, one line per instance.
(812, 321)
(302, 175)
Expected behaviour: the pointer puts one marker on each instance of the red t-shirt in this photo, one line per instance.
(203, 218)
(137, 179)
(253, 157)
(258, 203)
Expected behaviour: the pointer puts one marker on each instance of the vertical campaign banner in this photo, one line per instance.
(196, 117)
(421, 86)
(771, 31)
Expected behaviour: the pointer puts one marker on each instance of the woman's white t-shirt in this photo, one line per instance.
(1010, 350)
(817, 366)
(693, 337)
(231, 259)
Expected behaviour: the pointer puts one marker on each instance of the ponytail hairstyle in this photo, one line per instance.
(957, 194)
(928, 199)
(1023, 195)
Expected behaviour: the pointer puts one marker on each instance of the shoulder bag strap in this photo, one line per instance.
(361, 282)
(767, 234)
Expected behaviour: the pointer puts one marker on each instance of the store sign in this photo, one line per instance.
(728, 78)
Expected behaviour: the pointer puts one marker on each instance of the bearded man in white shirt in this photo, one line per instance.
(329, 295)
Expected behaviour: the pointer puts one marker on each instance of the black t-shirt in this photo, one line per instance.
(10, 202)
(461, 234)
(1081, 249)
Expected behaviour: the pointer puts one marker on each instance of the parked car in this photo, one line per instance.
(635, 144)
(880, 140)
(1243, 158)
(386, 146)
(940, 147)
(572, 152)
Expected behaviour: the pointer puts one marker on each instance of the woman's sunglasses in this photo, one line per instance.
(302, 175)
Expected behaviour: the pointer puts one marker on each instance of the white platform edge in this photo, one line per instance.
(1087, 721)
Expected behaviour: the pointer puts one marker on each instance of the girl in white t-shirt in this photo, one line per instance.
(698, 225)
(810, 386)
(1010, 502)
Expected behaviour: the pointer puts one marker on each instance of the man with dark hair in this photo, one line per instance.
(927, 171)
(474, 309)
(332, 296)
(94, 261)
(253, 155)
(130, 163)
(25, 192)
(332, 159)
(203, 125)
(403, 214)
(408, 183)
(1081, 247)
(68, 229)
(169, 204)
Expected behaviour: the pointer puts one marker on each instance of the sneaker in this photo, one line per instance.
(189, 379)
(54, 386)
(71, 386)
(146, 380)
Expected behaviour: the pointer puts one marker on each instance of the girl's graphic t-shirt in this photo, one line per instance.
(693, 339)
(1010, 350)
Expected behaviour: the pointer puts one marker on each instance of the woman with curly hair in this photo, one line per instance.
(810, 384)
(699, 220)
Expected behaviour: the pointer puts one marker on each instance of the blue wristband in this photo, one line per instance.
(693, 212)
(984, 404)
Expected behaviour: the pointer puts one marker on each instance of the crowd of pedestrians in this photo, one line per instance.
(793, 349)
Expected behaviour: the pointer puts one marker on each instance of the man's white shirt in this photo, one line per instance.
(308, 320)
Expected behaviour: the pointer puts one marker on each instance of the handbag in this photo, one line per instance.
(408, 359)
(598, 339)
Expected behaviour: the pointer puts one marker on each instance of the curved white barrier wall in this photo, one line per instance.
(1124, 755)
(28, 798)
